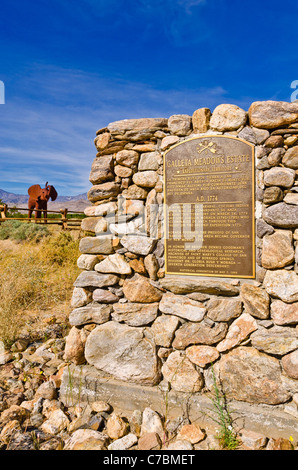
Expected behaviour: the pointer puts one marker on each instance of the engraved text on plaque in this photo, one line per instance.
(209, 207)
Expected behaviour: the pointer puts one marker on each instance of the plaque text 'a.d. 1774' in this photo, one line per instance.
(209, 207)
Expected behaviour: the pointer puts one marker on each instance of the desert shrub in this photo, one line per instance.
(61, 249)
(20, 231)
(35, 277)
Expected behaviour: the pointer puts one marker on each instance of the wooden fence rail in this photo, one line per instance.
(65, 221)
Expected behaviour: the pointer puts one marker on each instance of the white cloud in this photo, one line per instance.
(48, 132)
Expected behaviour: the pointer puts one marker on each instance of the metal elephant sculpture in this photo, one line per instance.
(38, 200)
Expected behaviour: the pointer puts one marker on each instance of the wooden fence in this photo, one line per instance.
(66, 222)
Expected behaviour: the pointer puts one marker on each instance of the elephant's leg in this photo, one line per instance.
(37, 213)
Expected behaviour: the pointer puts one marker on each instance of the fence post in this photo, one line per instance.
(3, 211)
(64, 218)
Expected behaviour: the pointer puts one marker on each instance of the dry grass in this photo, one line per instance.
(36, 279)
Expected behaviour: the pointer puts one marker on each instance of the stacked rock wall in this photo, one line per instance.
(136, 324)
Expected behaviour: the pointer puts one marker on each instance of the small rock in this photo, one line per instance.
(199, 333)
(128, 158)
(181, 373)
(104, 296)
(100, 406)
(168, 141)
(86, 439)
(152, 423)
(101, 210)
(284, 314)
(279, 444)
(92, 313)
(191, 433)
(290, 364)
(278, 340)
(152, 266)
(145, 179)
(96, 245)
(252, 440)
(139, 289)
(290, 158)
(139, 245)
(102, 191)
(272, 114)
(275, 157)
(182, 306)
(224, 309)
(272, 194)
(124, 443)
(274, 141)
(135, 314)
(80, 297)
(57, 422)
(116, 426)
(135, 192)
(278, 176)
(149, 161)
(202, 355)
(239, 330)
(8, 430)
(282, 284)
(180, 444)
(201, 120)
(115, 264)
(75, 346)
(180, 124)
(291, 198)
(256, 301)
(14, 413)
(47, 390)
(227, 117)
(282, 215)
(149, 441)
(164, 328)
(87, 262)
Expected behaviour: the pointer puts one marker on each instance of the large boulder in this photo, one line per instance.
(278, 250)
(228, 117)
(282, 215)
(139, 289)
(271, 114)
(136, 129)
(135, 314)
(127, 353)
(182, 374)
(249, 375)
(187, 286)
(102, 191)
(182, 307)
(282, 284)
(96, 245)
(199, 333)
(102, 170)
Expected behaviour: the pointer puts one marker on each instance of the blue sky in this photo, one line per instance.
(71, 67)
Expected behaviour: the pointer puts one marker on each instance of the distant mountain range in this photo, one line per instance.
(72, 203)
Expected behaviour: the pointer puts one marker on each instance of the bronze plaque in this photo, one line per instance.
(209, 207)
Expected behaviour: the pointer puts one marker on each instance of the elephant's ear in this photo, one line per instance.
(34, 190)
(53, 193)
